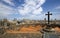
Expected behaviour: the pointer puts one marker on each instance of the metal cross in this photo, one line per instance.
(48, 17)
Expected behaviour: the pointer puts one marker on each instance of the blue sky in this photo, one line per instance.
(29, 9)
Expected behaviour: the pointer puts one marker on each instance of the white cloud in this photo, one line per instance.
(5, 11)
(37, 11)
(9, 2)
(58, 7)
(31, 7)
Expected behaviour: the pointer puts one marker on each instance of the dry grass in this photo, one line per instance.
(57, 29)
(29, 29)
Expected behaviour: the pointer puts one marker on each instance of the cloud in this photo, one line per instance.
(31, 7)
(5, 11)
(9, 2)
(58, 7)
(34, 17)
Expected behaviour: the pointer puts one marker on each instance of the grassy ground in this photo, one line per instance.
(22, 35)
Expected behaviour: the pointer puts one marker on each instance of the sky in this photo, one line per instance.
(29, 9)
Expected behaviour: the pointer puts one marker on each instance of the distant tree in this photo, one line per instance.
(1, 23)
(18, 22)
(14, 19)
(45, 20)
(55, 21)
